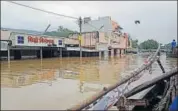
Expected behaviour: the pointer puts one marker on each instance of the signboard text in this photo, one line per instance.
(40, 40)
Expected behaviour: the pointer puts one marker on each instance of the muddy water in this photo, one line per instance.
(57, 83)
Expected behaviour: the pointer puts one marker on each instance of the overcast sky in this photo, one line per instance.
(158, 18)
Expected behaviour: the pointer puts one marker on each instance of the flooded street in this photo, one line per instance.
(57, 83)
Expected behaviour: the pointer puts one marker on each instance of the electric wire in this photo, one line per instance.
(42, 10)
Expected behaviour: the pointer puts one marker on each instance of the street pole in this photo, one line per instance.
(9, 44)
(8, 54)
(81, 69)
(80, 35)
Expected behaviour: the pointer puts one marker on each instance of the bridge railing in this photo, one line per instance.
(98, 101)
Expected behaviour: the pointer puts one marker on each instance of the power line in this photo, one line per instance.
(48, 12)
(42, 10)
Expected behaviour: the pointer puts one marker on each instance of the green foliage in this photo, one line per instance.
(149, 44)
(168, 46)
(134, 43)
(61, 32)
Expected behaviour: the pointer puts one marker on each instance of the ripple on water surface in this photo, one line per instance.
(60, 83)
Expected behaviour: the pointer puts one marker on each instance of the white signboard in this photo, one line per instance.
(36, 40)
(4, 45)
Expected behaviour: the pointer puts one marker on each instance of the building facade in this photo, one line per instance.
(23, 45)
(111, 39)
(101, 36)
(29, 45)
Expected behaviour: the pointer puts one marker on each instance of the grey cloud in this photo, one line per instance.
(158, 18)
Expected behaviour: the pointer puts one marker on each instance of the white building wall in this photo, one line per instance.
(95, 25)
(5, 34)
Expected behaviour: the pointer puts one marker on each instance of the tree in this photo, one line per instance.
(149, 44)
(134, 43)
(61, 32)
(60, 28)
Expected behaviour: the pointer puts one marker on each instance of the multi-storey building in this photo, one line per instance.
(111, 39)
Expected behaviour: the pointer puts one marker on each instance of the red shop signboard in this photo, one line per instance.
(40, 40)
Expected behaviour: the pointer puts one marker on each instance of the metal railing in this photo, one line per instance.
(170, 90)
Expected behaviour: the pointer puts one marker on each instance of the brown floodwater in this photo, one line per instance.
(59, 83)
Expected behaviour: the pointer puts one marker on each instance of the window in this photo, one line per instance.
(59, 42)
(20, 39)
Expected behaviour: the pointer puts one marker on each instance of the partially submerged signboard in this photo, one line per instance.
(4, 45)
(21, 39)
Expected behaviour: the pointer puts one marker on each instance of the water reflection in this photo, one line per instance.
(26, 72)
(66, 77)
(90, 70)
(95, 70)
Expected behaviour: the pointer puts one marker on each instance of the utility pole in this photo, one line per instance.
(47, 28)
(8, 52)
(41, 49)
(80, 35)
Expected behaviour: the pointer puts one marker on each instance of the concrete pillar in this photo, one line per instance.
(124, 51)
(120, 52)
(41, 58)
(112, 52)
(41, 53)
(60, 52)
(8, 54)
(106, 54)
(100, 54)
(116, 52)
